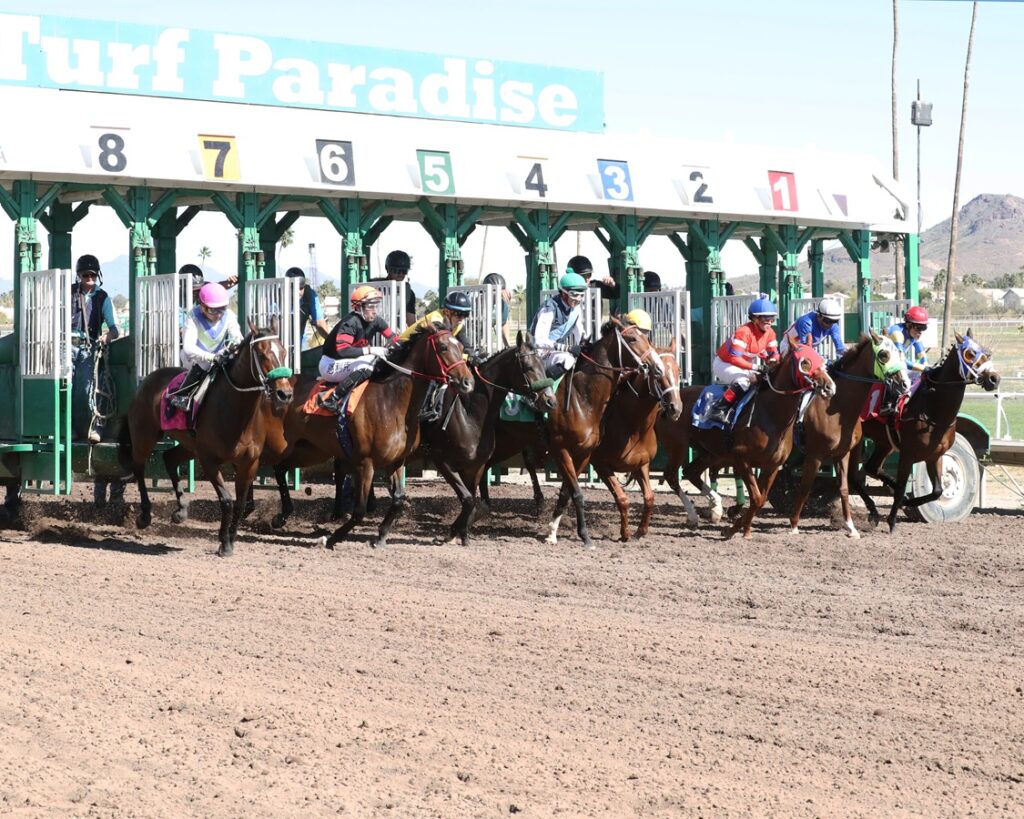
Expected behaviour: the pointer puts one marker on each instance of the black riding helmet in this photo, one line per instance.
(296, 273)
(652, 281)
(580, 265)
(458, 302)
(496, 279)
(87, 262)
(397, 261)
(195, 272)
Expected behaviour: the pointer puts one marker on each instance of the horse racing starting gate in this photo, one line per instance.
(670, 320)
(483, 325)
(161, 305)
(592, 308)
(269, 299)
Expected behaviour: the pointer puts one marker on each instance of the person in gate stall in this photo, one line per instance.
(606, 284)
(348, 359)
(91, 311)
(742, 356)
(557, 328)
(310, 310)
(906, 335)
(211, 331)
(652, 282)
(506, 301)
(816, 327)
(397, 265)
(195, 274)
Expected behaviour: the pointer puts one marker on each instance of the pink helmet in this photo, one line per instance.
(213, 295)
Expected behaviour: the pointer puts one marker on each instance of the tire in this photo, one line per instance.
(961, 477)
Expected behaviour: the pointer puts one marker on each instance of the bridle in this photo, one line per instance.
(444, 378)
(530, 389)
(799, 376)
(641, 365)
(263, 379)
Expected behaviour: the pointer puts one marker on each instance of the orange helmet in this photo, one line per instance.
(365, 293)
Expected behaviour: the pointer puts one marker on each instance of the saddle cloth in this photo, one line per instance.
(876, 397)
(172, 418)
(323, 390)
(515, 407)
(707, 400)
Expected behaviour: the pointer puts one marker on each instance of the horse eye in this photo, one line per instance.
(883, 357)
(805, 365)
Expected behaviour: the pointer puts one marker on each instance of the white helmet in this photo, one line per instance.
(830, 309)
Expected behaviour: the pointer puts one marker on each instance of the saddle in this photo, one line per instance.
(876, 399)
(172, 418)
(323, 391)
(708, 398)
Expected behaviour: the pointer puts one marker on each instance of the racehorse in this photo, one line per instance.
(926, 428)
(761, 437)
(232, 427)
(832, 428)
(629, 442)
(462, 440)
(384, 428)
(575, 426)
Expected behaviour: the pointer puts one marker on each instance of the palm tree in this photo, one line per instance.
(204, 253)
(286, 240)
(954, 225)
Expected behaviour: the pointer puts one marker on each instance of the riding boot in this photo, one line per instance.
(889, 400)
(182, 397)
(346, 385)
(723, 406)
(431, 409)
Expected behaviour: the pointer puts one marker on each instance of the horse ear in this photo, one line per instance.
(519, 339)
(960, 338)
(252, 327)
(875, 338)
(273, 325)
(969, 333)
(674, 345)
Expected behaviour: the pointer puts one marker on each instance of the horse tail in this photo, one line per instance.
(125, 456)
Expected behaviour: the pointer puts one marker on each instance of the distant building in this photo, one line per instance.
(1013, 299)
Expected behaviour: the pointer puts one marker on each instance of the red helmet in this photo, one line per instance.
(916, 315)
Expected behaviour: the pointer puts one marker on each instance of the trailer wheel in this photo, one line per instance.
(960, 475)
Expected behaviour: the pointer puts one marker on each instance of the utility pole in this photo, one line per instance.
(314, 279)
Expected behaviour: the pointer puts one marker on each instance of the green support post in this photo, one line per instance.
(537, 234)
(165, 232)
(858, 246)
(359, 227)
(782, 243)
(622, 239)
(705, 278)
(59, 220)
(449, 231)
(816, 261)
(247, 217)
(912, 267)
(271, 233)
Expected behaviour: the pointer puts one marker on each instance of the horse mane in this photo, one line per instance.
(399, 354)
(854, 350)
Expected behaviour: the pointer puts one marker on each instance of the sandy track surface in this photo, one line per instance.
(682, 676)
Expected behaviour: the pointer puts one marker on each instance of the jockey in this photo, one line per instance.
(740, 357)
(907, 336)
(557, 328)
(348, 359)
(639, 318)
(210, 330)
(815, 327)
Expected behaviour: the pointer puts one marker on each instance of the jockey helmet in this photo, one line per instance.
(580, 265)
(296, 273)
(495, 278)
(213, 295)
(652, 282)
(573, 283)
(397, 261)
(830, 309)
(87, 263)
(195, 273)
(641, 318)
(916, 315)
(364, 294)
(457, 302)
(761, 306)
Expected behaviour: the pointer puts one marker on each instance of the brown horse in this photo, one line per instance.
(927, 426)
(761, 438)
(232, 427)
(832, 428)
(575, 426)
(462, 440)
(384, 428)
(629, 442)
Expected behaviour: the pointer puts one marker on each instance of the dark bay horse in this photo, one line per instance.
(833, 427)
(629, 443)
(462, 440)
(232, 427)
(575, 426)
(926, 428)
(762, 437)
(384, 428)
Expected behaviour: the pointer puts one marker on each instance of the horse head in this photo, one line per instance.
(806, 370)
(635, 351)
(889, 363)
(538, 386)
(975, 362)
(669, 397)
(267, 358)
(443, 359)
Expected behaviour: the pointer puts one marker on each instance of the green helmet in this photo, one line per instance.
(572, 281)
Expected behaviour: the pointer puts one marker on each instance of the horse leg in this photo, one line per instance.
(842, 467)
(932, 467)
(250, 502)
(855, 477)
(757, 487)
(281, 518)
(363, 477)
(339, 489)
(621, 500)
(900, 492)
(531, 466)
(671, 475)
(746, 474)
(810, 472)
(648, 490)
(245, 474)
(559, 510)
(227, 508)
(398, 501)
(577, 497)
(873, 465)
(174, 459)
(459, 530)
(693, 472)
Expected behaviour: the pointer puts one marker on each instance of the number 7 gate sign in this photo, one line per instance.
(783, 188)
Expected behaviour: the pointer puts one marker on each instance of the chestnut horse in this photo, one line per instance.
(232, 427)
(629, 442)
(462, 440)
(832, 428)
(384, 428)
(761, 438)
(926, 428)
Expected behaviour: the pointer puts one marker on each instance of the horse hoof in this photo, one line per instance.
(279, 521)
(143, 520)
(226, 550)
(588, 546)
(853, 533)
(716, 515)
(452, 541)
(249, 509)
(179, 516)
(795, 530)
(321, 542)
(748, 536)
(551, 540)
(378, 544)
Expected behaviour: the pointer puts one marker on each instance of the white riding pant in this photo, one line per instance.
(731, 375)
(552, 358)
(334, 370)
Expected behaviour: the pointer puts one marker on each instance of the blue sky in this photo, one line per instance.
(784, 73)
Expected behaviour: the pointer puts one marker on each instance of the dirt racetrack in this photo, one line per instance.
(682, 676)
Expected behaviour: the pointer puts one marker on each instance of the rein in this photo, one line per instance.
(445, 368)
(264, 378)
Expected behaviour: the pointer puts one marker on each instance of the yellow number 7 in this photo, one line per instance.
(220, 157)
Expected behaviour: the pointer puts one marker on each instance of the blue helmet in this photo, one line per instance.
(762, 306)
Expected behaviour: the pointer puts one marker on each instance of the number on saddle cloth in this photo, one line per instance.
(708, 398)
(516, 407)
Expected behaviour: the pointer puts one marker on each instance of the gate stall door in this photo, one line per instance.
(591, 307)
(161, 305)
(727, 313)
(670, 319)
(800, 307)
(269, 299)
(482, 328)
(885, 312)
(44, 417)
(392, 308)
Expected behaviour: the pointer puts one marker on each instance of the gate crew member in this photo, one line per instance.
(606, 284)
(348, 359)
(210, 331)
(741, 356)
(506, 299)
(558, 326)
(91, 308)
(397, 265)
(652, 282)
(816, 327)
(310, 310)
